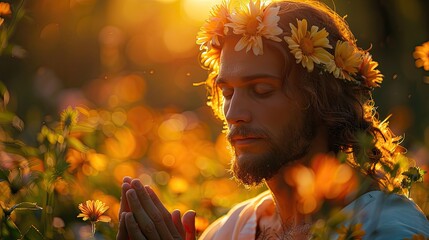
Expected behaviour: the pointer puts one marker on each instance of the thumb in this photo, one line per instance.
(188, 221)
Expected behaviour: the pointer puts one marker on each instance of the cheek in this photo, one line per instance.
(283, 113)
(277, 114)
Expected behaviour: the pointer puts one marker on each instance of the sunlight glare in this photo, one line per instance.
(179, 38)
(198, 10)
(167, 1)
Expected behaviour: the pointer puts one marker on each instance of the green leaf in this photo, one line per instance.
(342, 157)
(85, 128)
(4, 175)
(77, 144)
(6, 117)
(33, 234)
(10, 230)
(25, 206)
(18, 147)
(61, 167)
(414, 174)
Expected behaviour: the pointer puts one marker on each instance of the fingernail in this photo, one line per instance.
(137, 184)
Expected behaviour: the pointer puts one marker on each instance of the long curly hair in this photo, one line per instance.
(346, 108)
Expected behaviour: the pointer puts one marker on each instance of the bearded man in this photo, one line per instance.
(292, 87)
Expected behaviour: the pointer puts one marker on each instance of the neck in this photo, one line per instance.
(291, 209)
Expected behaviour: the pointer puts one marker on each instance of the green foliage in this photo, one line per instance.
(33, 234)
(8, 27)
(9, 230)
(54, 143)
(412, 175)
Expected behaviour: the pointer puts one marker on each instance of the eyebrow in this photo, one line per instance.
(247, 78)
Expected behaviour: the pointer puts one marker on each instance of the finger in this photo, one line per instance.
(124, 203)
(177, 220)
(147, 227)
(127, 179)
(159, 219)
(188, 221)
(133, 228)
(122, 229)
(164, 213)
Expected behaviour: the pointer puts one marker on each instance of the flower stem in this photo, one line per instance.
(93, 230)
(47, 217)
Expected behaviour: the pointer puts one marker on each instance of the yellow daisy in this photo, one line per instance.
(368, 71)
(308, 47)
(69, 117)
(93, 211)
(421, 54)
(354, 232)
(253, 22)
(346, 61)
(210, 58)
(215, 27)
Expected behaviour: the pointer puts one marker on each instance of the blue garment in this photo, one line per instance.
(387, 216)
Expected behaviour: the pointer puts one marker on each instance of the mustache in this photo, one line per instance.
(246, 132)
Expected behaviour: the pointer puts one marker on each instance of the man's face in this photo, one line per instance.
(266, 128)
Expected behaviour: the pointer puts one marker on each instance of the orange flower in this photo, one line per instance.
(308, 47)
(253, 22)
(368, 71)
(326, 180)
(346, 61)
(5, 9)
(421, 54)
(93, 211)
(214, 27)
(353, 232)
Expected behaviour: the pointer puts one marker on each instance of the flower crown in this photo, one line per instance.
(259, 20)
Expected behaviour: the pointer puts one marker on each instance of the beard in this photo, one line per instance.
(292, 145)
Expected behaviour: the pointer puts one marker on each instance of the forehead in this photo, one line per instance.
(239, 64)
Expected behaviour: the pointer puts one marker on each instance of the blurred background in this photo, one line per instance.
(133, 64)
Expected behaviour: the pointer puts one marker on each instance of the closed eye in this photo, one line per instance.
(263, 89)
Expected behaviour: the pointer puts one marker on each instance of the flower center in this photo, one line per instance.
(307, 46)
(252, 26)
(93, 217)
(339, 62)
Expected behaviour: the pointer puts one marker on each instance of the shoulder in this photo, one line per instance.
(233, 222)
(389, 216)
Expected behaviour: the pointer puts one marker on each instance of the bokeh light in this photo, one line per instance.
(198, 9)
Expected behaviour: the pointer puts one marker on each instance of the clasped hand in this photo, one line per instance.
(143, 216)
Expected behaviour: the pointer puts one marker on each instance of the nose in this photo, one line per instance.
(237, 109)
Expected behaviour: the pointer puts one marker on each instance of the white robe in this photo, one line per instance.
(383, 216)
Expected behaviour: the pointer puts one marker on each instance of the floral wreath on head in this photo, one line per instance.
(259, 20)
